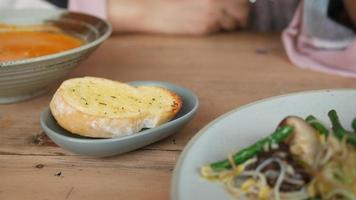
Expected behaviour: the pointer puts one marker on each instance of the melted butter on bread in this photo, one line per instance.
(108, 108)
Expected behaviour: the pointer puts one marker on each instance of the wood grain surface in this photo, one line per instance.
(225, 71)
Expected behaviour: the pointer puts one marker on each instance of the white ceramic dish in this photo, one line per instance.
(113, 146)
(244, 126)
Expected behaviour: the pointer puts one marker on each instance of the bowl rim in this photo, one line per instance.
(86, 140)
(81, 48)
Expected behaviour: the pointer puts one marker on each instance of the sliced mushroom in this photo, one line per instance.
(304, 142)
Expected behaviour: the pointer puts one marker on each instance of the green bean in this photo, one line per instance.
(313, 198)
(354, 124)
(315, 123)
(280, 135)
(339, 131)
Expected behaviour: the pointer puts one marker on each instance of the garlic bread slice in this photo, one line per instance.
(97, 107)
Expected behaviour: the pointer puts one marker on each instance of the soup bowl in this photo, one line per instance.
(27, 78)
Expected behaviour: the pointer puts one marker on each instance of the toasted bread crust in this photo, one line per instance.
(81, 121)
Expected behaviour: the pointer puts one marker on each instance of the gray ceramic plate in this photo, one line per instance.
(244, 126)
(109, 147)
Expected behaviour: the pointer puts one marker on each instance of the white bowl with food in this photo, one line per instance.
(274, 149)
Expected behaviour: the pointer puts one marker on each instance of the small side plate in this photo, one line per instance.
(113, 146)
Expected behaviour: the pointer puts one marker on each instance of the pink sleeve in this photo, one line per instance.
(303, 51)
(94, 7)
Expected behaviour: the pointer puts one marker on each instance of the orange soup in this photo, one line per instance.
(19, 45)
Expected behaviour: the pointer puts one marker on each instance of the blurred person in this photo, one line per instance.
(202, 16)
(192, 17)
(317, 34)
(197, 17)
(320, 37)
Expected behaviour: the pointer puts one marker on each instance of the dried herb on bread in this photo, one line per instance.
(97, 107)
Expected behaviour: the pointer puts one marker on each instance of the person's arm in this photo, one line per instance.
(196, 17)
(350, 6)
(125, 15)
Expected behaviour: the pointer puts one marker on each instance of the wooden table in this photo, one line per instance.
(225, 71)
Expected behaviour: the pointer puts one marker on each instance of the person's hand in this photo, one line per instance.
(195, 17)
